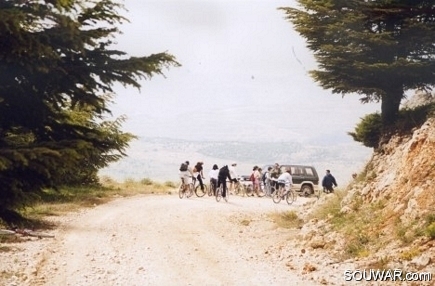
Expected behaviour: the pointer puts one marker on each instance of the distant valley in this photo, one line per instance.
(159, 158)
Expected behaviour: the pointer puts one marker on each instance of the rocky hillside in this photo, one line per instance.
(385, 219)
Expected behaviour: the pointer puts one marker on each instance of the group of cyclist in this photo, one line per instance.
(273, 177)
(218, 176)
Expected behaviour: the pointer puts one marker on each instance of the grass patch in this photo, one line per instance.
(362, 226)
(170, 184)
(380, 263)
(245, 222)
(358, 246)
(410, 254)
(146, 181)
(331, 208)
(287, 219)
(68, 199)
(430, 230)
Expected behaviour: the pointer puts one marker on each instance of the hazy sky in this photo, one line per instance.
(244, 75)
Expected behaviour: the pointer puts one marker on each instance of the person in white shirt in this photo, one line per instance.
(186, 173)
(213, 174)
(233, 175)
(284, 178)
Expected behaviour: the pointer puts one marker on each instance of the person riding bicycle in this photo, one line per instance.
(328, 181)
(213, 174)
(233, 175)
(285, 178)
(224, 173)
(185, 173)
(198, 174)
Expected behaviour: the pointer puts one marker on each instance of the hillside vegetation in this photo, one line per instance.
(385, 218)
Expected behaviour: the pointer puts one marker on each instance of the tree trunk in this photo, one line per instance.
(389, 113)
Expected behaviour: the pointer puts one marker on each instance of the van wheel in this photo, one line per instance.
(307, 190)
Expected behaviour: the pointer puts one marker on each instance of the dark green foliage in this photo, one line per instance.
(410, 118)
(57, 70)
(369, 130)
(377, 49)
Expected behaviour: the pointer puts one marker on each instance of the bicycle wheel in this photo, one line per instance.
(181, 191)
(290, 197)
(236, 189)
(200, 192)
(189, 191)
(261, 193)
(276, 197)
(219, 193)
(272, 191)
(261, 186)
(239, 190)
(211, 190)
(249, 190)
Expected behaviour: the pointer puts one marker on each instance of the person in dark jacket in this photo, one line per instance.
(224, 173)
(328, 181)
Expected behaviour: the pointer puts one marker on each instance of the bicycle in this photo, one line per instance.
(25, 232)
(249, 191)
(239, 188)
(284, 192)
(219, 193)
(185, 190)
(267, 189)
(212, 189)
(197, 187)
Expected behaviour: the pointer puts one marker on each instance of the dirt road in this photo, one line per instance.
(162, 240)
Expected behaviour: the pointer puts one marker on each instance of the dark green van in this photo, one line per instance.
(305, 178)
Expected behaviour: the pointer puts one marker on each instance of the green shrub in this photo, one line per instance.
(357, 246)
(170, 184)
(408, 255)
(369, 130)
(146, 181)
(412, 118)
(430, 230)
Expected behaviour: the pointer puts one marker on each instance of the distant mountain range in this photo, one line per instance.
(159, 158)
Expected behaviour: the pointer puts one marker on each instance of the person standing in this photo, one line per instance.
(328, 182)
(224, 173)
(213, 174)
(268, 181)
(233, 175)
(257, 179)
